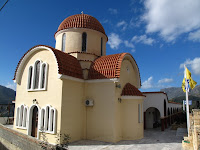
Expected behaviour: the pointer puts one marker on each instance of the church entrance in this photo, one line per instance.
(34, 122)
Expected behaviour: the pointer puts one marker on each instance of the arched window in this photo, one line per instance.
(37, 75)
(17, 117)
(84, 41)
(101, 46)
(63, 42)
(21, 117)
(42, 119)
(165, 108)
(51, 120)
(24, 117)
(48, 119)
(30, 75)
(43, 77)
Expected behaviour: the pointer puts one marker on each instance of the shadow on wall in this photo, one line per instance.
(2, 147)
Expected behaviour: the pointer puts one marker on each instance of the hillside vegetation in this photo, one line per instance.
(7, 95)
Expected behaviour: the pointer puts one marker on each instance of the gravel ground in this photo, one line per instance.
(154, 139)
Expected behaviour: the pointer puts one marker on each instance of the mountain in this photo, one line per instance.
(175, 92)
(7, 95)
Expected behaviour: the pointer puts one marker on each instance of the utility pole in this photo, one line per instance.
(4, 5)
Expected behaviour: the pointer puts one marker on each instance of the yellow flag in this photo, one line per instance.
(183, 85)
(192, 83)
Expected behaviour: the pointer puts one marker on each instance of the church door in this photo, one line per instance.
(34, 122)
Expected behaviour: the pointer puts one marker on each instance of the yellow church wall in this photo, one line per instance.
(51, 96)
(74, 41)
(73, 109)
(128, 74)
(100, 117)
(131, 128)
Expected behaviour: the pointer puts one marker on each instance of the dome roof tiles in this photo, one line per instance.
(81, 21)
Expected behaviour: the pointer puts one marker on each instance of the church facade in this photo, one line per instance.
(76, 89)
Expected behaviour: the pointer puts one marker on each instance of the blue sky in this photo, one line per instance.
(161, 35)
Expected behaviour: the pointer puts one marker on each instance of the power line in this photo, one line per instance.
(3, 5)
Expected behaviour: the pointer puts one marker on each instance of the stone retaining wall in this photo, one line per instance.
(13, 140)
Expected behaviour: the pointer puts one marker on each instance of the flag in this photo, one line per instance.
(189, 82)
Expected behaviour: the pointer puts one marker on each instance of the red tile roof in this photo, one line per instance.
(107, 66)
(67, 64)
(81, 21)
(130, 90)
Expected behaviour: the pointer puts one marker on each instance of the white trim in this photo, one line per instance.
(61, 76)
(102, 80)
(133, 97)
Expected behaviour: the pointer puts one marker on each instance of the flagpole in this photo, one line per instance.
(187, 105)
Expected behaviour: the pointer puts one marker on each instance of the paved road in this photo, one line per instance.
(153, 140)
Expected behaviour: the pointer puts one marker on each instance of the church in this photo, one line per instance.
(76, 89)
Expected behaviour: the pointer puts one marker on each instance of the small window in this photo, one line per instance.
(42, 119)
(21, 115)
(24, 117)
(47, 118)
(84, 41)
(63, 42)
(139, 114)
(37, 74)
(17, 117)
(43, 75)
(30, 77)
(101, 46)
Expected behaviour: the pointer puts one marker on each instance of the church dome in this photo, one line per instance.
(81, 21)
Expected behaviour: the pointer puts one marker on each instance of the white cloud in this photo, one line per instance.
(129, 45)
(122, 24)
(143, 39)
(165, 80)
(194, 64)
(114, 40)
(113, 11)
(171, 18)
(11, 86)
(148, 83)
(194, 36)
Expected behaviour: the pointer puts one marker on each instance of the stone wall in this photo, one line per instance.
(11, 139)
(193, 140)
